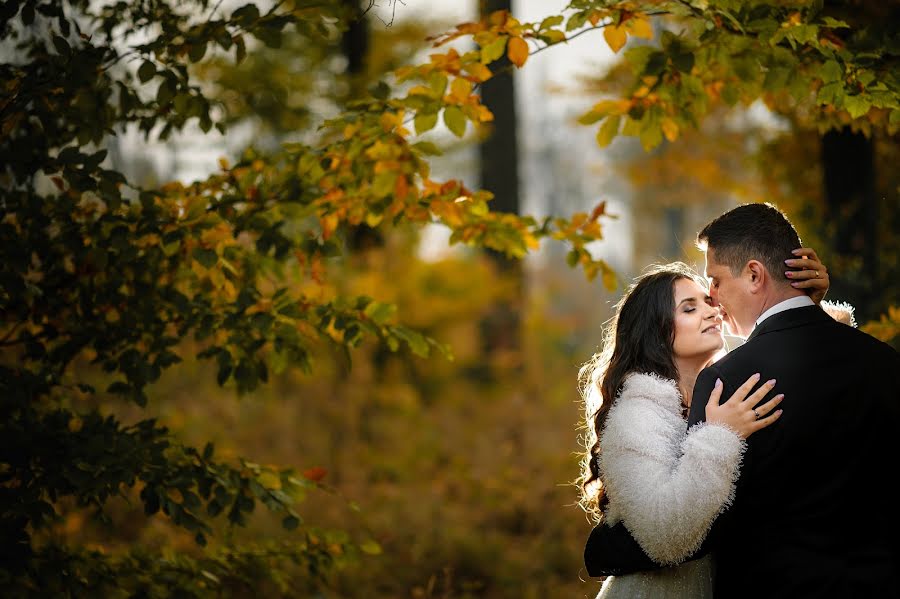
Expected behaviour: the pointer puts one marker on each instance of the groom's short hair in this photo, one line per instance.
(751, 232)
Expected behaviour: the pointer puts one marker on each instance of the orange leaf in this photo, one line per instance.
(517, 51)
(315, 474)
(615, 37)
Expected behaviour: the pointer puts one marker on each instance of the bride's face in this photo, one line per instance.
(698, 324)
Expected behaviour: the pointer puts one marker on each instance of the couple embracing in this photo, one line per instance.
(765, 473)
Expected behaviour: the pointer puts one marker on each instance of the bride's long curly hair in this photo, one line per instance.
(639, 338)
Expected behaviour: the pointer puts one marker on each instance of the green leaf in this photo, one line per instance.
(166, 91)
(146, 71)
(455, 120)
(416, 342)
(383, 184)
(831, 71)
(437, 81)
(830, 93)
(371, 547)
(683, 61)
(380, 313)
(380, 91)
(425, 121)
(61, 45)
(427, 147)
(551, 22)
(246, 14)
(206, 257)
(494, 50)
(608, 130)
(857, 106)
(197, 51)
(651, 134)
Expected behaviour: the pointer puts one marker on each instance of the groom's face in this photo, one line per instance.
(729, 292)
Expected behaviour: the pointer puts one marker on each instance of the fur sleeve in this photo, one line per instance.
(667, 487)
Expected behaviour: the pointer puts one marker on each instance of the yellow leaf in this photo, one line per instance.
(460, 90)
(269, 480)
(517, 51)
(478, 71)
(615, 37)
(670, 129)
(639, 26)
(609, 279)
(608, 130)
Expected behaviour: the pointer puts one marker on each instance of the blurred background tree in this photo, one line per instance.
(176, 354)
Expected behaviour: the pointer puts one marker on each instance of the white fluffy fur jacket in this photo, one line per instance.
(666, 484)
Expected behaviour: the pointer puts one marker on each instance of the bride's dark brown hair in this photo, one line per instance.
(638, 338)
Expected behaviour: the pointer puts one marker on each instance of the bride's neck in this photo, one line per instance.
(687, 376)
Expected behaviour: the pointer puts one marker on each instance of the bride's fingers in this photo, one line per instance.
(805, 264)
(765, 421)
(806, 253)
(744, 390)
(715, 394)
(770, 405)
(759, 394)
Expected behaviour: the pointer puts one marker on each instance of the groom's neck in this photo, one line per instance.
(778, 294)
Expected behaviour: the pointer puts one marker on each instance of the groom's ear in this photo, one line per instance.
(757, 273)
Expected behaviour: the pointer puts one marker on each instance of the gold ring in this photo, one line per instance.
(817, 274)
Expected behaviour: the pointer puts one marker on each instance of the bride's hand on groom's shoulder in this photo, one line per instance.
(807, 272)
(741, 413)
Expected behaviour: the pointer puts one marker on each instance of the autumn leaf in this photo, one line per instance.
(517, 51)
(670, 129)
(608, 131)
(493, 50)
(455, 120)
(315, 474)
(615, 37)
(639, 26)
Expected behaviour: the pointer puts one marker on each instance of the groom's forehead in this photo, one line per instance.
(712, 266)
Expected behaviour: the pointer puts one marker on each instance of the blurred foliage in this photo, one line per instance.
(121, 468)
(777, 157)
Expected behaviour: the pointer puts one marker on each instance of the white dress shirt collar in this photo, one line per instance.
(800, 301)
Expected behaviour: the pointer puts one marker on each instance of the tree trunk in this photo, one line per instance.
(848, 164)
(355, 43)
(499, 174)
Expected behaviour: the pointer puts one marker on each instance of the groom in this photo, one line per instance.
(811, 516)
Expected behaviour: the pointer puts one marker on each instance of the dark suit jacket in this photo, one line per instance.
(812, 516)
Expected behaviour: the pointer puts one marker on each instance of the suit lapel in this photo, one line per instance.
(789, 319)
